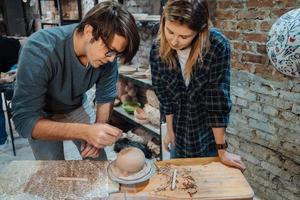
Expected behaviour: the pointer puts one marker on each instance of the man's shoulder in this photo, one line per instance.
(49, 38)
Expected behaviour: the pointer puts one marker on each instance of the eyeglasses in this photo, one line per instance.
(111, 53)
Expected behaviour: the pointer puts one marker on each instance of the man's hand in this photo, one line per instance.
(87, 150)
(231, 160)
(169, 139)
(102, 135)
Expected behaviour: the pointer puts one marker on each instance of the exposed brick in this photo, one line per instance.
(262, 152)
(223, 25)
(292, 167)
(234, 55)
(248, 157)
(254, 58)
(243, 66)
(270, 111)
(289, 116)
(256, 37)
(296, 88)
(279, 12)
(260, 3)
(265, 99)
(267, 127)
(255, 107)
(242, 46)
(230, 4)
(242, 102)
(263, 70)
(296, 180)
(232, 35)
(255, 115)
(266, 90)
(286, 124)
(292, 96)
(251, 14)
(273, 169)
(296, 108)
(265, 26)
(248, 25)
(283, 104)
(263, 138)
(240, 92)
(228, 15)
(291, 3)
(261, 48)
(284, 133)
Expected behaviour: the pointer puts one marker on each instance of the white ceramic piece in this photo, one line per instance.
(283, 46)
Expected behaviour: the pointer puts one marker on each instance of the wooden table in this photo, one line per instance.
(78, 179)
(215, 181)
(89, 180)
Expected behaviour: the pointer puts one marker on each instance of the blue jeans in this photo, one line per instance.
(3, 135)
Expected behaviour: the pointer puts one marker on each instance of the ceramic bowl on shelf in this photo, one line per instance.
(127, 69)
(140, 116)
(139, 75)
(130, 106)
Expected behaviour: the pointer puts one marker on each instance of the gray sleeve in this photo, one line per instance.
(106, 87)
(31, 86)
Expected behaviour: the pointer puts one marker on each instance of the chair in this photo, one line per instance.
(8, 94)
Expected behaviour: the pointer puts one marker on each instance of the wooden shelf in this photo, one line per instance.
(145, 83)
(129, 118)
(140, 17)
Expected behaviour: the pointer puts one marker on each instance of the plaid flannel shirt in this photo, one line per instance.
(203, 104)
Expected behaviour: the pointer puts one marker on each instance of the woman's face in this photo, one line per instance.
(179, 36)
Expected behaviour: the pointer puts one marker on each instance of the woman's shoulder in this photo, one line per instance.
(218, 40)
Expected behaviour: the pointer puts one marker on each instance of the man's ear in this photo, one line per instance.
(88, 32)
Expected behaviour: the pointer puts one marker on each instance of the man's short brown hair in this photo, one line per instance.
(109, 18)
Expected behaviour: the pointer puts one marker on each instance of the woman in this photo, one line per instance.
(190, 66)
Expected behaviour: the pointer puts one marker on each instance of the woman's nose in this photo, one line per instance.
(174, 41)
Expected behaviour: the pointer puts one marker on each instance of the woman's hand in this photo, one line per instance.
(169, 139)
(231, 159)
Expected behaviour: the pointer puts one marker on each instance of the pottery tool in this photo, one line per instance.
(173, 186)
(71, 179)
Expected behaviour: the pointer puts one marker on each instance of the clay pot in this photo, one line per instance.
(125, 97)
(130, 161)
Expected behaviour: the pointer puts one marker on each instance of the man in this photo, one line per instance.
(57, 66)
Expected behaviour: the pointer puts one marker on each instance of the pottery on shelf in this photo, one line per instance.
(127, 69)
(140, 116)
(139, 75)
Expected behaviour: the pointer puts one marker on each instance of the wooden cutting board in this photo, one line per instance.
(51, 180)
(213, 180)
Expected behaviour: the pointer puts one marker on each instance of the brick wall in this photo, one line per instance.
(265, 120)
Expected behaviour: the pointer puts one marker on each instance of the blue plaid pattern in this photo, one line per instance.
(204, 104)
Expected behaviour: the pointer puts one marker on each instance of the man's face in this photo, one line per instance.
(98, 53)
(179, 36)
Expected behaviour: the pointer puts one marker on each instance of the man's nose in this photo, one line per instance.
(111, 58)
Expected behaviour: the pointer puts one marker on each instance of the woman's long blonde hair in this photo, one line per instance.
(194, 14)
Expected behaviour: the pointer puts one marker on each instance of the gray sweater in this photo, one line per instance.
(51, 80)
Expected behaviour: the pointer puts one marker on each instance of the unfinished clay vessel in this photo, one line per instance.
(130, 161)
